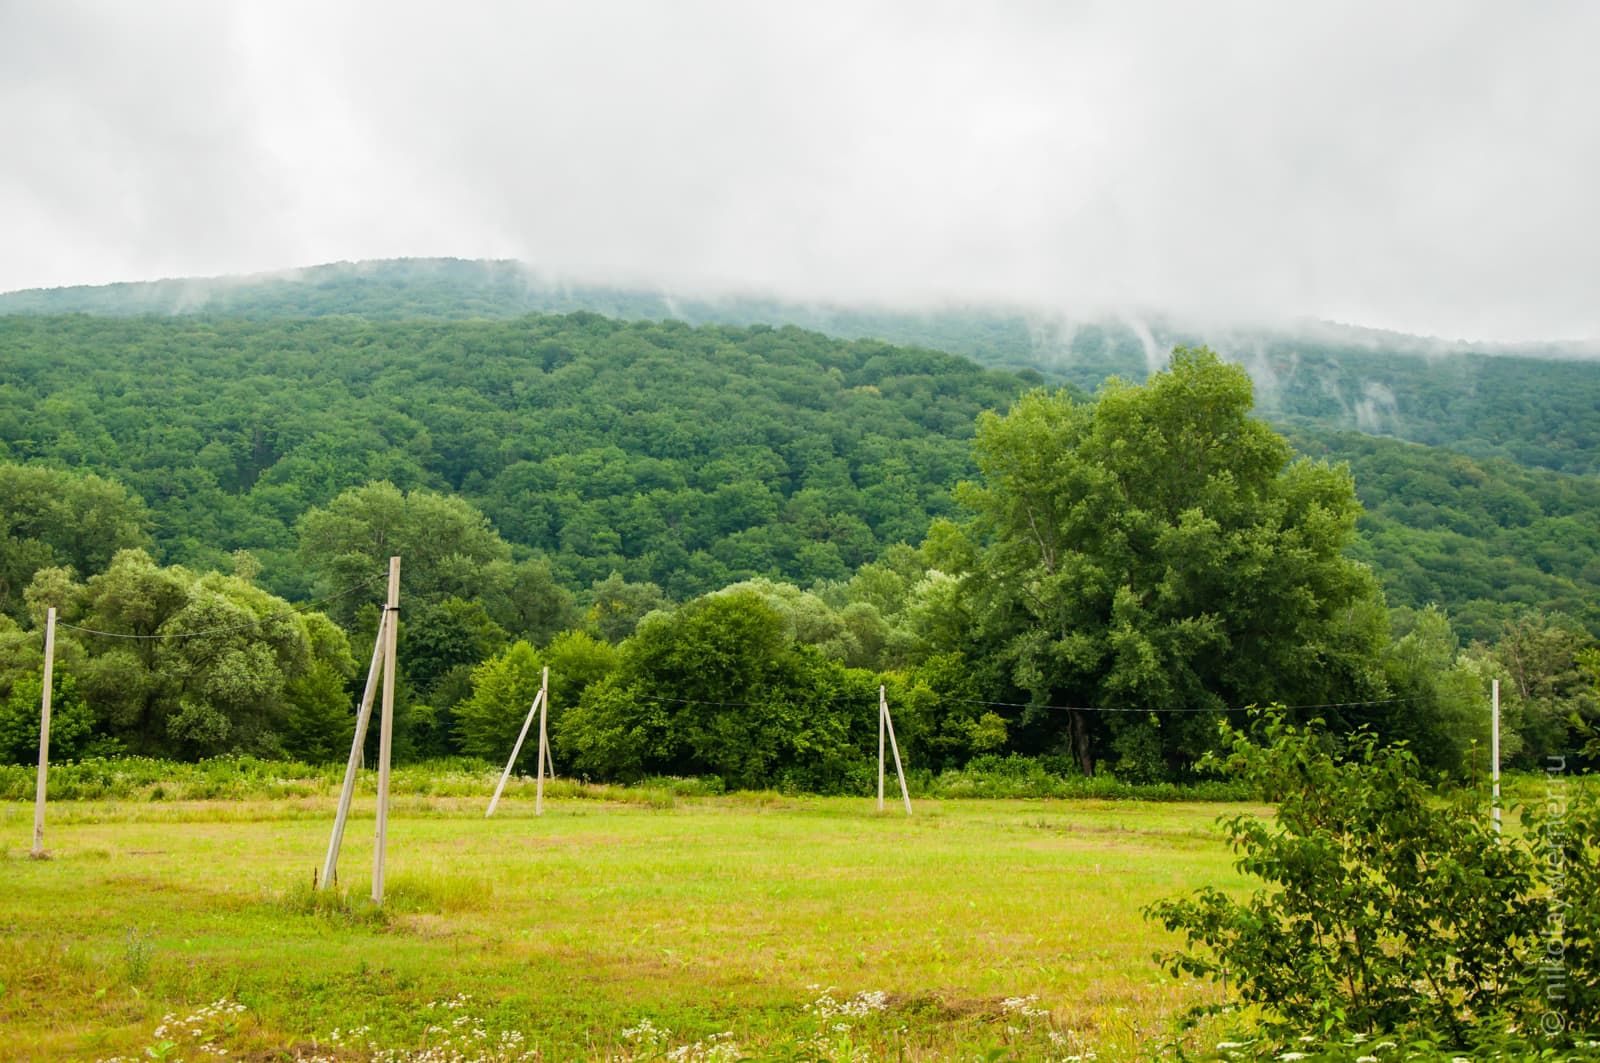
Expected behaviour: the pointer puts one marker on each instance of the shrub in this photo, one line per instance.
(1383, 909)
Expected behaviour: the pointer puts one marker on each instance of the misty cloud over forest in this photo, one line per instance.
(1426, 167)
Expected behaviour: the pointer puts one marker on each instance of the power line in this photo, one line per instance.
(1385, 701)
(1067, 708)
(245, 626)
(1071, 708)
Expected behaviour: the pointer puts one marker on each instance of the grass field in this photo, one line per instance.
(765, 921)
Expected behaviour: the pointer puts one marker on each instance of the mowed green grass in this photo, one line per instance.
(703, 915)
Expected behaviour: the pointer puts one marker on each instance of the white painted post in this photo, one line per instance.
(538, 699)
(1494, 752)
(544, 742)
(883, 702)
(330, 866)
(44, 733)
(905, 795)
(386, 734)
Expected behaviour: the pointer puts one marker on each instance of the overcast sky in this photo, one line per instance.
(1429, 167)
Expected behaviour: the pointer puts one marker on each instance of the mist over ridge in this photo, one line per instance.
(451, 287)
(1485, 399)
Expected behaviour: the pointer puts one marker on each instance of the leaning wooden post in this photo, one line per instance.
(330, 866)
(883, 709)
(544, 742)
(386, 734)
(44, 733)
(533, 710)
(1494, 751)
(883, 702)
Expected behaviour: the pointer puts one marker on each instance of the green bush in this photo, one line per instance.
(1385, 910)
(71, 720)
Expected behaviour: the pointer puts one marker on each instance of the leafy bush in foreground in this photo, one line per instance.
(1383, 911)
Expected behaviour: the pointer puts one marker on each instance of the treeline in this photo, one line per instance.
(1535, 405)
(1117, 577)
(688, 458)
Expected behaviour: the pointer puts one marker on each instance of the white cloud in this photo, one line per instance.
(1424, 167)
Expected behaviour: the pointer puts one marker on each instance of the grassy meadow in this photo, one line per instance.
(621, 924)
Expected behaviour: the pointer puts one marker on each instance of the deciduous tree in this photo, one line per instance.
(1158, 549)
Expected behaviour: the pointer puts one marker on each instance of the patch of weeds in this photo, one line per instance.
(848, 1030)
(137, 950)
(660, 797)
(841, 1024)
(1030, 1028)
(334, 905)
(662, 791)
(437, 893)
(1393, 1048)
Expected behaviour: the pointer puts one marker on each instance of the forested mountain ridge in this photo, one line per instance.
(1537, 405)
(1484, 539)
(746, 520)
(688, 457)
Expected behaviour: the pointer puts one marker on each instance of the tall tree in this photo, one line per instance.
(446, 545)
(1157, 550)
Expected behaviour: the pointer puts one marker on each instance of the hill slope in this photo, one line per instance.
(1540, 407)
(690, 457)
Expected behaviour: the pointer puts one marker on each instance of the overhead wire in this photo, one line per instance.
(1072, 708)
(247, 625)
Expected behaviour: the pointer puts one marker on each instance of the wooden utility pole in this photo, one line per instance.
(544, 742)
(386, 734)
(44, 733)
(1494, 751)
(882, 701)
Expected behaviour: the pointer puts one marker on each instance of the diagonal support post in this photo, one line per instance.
(886, 722)
(533, 710)
(330, 865)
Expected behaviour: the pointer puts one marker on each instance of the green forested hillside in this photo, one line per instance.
(1535, 405)
(700, 531)
(1484, 539)
(688, 457)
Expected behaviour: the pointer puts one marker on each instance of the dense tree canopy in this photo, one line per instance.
(693, 458)
(558, 486)
(1537, 405)
(174, 663)
(1157, 550)
(50, 517)
(689, 458)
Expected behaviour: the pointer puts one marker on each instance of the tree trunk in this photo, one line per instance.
(1080, 742)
